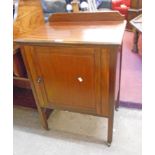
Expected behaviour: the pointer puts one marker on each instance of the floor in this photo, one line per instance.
(78, 134)
(131, 79)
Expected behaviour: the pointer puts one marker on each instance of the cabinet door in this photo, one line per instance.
(69, 77)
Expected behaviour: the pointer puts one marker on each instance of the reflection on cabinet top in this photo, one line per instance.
(79, 28)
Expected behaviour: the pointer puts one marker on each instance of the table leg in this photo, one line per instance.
(135, 41)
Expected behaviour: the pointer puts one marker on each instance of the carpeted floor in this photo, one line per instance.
(131, 80)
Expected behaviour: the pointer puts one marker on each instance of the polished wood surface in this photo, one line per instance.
(67, 89)
(30, 16)
(95, 28)
(72, 65)
(89, 17)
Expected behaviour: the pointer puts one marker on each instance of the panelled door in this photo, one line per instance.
(69, 78)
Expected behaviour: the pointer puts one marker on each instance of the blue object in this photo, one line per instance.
(104, 4)
(53, 6)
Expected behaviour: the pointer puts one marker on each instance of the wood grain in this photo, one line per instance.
(88, 16)
(105, 81)
(61, 70)
(94, 34)
(30, 16)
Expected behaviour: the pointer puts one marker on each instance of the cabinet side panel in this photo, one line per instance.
(105, 81)
(118, 72)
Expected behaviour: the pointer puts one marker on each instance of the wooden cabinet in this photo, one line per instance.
(75, 79)
(70, 77)
(74, 63)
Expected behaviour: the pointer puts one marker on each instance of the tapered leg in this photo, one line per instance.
(110, 130)
(48, 112)
(135, 41)
(43, 118)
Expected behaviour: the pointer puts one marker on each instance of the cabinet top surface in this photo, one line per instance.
(64, 28)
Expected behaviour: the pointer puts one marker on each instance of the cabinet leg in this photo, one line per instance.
(48, 112)
(108, 144)
(110, 130)
(43, 118)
